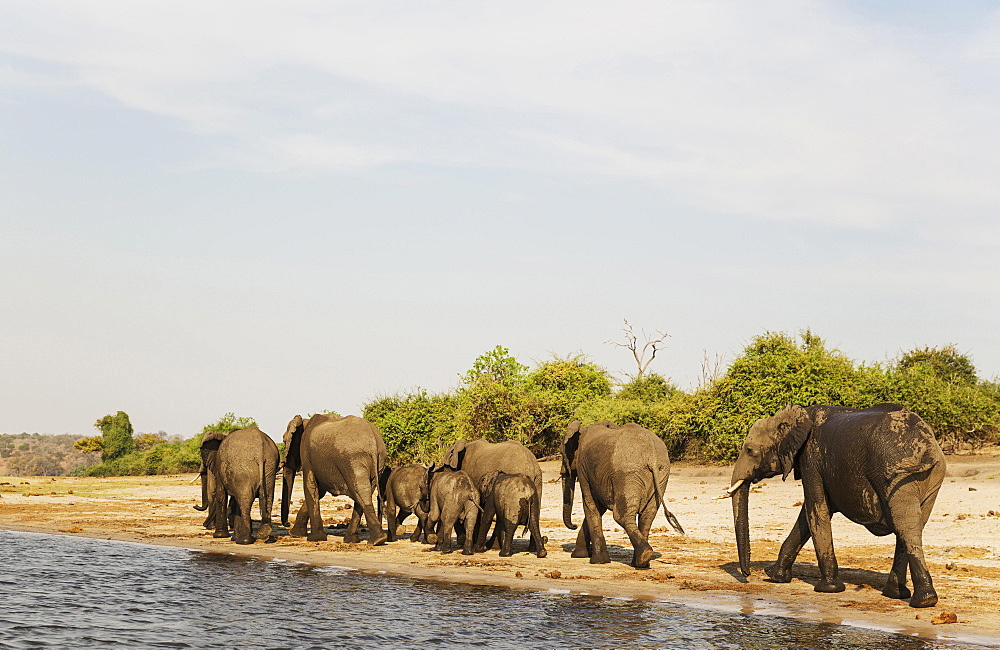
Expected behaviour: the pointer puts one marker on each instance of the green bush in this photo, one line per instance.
(416, 426)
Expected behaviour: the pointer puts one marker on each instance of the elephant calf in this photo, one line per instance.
(405, 492)
(244, 468)
(454, 503)
(515, 501)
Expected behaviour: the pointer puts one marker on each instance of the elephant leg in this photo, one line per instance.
(351, 534)
(364, 486)
(401, 516)
(818, 517)
(908, 517)
(593, 515)
(444, 532)
(781, 570)
(582, 548)
(533, 526)
(895, 584)
(242, 525)
(506, 526)
(421, 524)
(483, 526)
(642, 552)
(312, 493)
(221, 514)
(299, 528)
(390, 521)
(460, 535)
(471, 515)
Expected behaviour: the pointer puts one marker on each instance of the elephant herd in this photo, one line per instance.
(881, 467)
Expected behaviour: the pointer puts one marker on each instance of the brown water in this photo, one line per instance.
(64, 592)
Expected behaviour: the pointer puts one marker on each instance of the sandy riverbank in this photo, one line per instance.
(962, 544)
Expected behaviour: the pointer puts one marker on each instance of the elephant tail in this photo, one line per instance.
(661, 502)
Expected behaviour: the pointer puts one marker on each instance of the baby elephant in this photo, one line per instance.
(454, 503)
(514, 500)
(405, 492)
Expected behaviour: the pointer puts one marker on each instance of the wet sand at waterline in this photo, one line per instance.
(961, 542)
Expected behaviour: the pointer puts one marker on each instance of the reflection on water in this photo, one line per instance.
(71, 592)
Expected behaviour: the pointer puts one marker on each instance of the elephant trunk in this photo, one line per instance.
(741, 520)
(287, 482)
(569, 486)
(203, 475)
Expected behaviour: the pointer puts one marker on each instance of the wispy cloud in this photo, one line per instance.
(778, 110)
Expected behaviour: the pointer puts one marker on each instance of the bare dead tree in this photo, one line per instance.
(711, 369)
(651, 346)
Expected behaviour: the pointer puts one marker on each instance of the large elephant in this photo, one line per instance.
(337, 456)
(880, 466)
(514, 501)
(454, 505)
(243, 470)
(480, 457)
(624, 469)
(406, 492)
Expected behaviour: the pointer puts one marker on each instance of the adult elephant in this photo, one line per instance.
(480, 457)
(337, 456)
(243, 470)
(880, 466)
(621, 468)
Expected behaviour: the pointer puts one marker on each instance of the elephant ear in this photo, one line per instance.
(793, 429)
(456, 453)
(569, 445)
(488, 482)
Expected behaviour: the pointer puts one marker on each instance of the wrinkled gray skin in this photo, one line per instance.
(624, 469)
(405, 492)
(881, 467)
(292, 464)
(337, 456)
(514, 500)
(209, 447)
(243, 471)
(454, 504)
(479, 457)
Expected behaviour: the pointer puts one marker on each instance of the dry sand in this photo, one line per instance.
(961, 541)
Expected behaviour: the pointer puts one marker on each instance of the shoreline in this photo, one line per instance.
(715, 601)
(697, 570)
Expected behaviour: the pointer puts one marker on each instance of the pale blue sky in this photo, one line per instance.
(280, 209)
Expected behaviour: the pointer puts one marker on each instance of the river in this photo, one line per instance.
(66, 592)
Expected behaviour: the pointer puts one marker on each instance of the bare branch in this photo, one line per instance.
(651, 346)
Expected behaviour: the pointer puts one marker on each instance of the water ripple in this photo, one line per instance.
(78, 592)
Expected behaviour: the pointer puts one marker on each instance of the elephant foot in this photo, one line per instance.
(432, 539)
(776, 574)
(580, 552)
(221, 534)
(829, 587)
(377, 540)
(893, 589)
(264, 531)
(466, 551)
(641, 560)
(924, 599)
(296, 531)
(352, 538)
(244, 540)
(317, 536)
(542, 552)
(600, 558)
(415, 537)
(506, 553)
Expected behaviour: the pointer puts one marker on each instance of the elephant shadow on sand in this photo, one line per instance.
(617, 552)
(809, 573)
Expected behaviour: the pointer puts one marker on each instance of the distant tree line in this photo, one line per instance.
(500, 398)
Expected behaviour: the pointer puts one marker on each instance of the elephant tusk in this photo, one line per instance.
(729, 491)
(196, 478)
